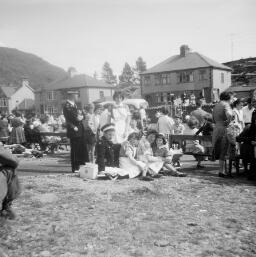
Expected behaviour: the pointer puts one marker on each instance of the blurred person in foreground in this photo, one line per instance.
(9, 183)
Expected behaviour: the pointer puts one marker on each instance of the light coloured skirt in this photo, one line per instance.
(155, 166)
(132, 169)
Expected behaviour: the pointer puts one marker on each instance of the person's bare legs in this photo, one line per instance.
(173, 171)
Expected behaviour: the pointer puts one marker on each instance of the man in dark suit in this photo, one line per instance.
(75, 131)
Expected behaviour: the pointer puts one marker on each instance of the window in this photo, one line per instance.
(202, 75)
(169, 78)
(185, 77)
(51, 96)
(165, 97)
(51, 109)
(101, 94)
(157, 79)
(146, 80)
(164, 79)
(158, 98)
(222, 77)
(3, 102)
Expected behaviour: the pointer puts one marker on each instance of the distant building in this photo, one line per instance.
(187, 73)
(51, 97)
(19, 97)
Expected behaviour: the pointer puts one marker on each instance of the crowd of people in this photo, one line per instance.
(114, 138)
(118, 140)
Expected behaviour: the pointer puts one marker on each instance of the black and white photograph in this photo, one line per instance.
(127, 128)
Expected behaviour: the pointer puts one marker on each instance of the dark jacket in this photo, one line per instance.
(70, 113)
(7, 159)
(105, 154)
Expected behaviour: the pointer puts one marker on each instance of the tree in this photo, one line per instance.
(127, 75)
(139, 68)
(107, 74)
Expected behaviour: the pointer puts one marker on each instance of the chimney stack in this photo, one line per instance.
(25, 82)
(184, 50)
(71, 72)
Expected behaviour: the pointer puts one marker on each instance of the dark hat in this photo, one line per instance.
(107, 127)
(73, 92)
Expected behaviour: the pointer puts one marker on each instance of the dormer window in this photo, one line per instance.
(51, 96)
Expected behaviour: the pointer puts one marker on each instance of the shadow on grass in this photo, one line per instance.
(210, 174)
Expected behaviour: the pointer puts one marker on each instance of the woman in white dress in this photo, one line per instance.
(121, 118)
(127, 155)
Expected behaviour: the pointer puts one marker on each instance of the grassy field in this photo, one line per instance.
(200, 216)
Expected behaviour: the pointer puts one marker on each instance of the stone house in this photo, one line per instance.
(20, 97)
(186, 73)
(51, 97)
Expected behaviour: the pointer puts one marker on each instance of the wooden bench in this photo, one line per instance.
(181, 141)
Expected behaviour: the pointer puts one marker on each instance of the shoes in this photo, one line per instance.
(180, 174)
(200, 166)
(146, 178)
(222, 175)
(157, 176)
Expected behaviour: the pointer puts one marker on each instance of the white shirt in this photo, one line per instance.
(105, 117)
(247, 114)
(164, 125)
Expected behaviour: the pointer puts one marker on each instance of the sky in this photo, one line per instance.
(86, 33)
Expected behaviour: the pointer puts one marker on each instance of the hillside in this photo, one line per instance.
(15, 64)
(244, 71)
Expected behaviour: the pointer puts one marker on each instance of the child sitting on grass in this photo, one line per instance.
(160, 149)
(193, 146)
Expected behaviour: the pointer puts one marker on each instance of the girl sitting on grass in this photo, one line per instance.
(160, 149)
(127, 155)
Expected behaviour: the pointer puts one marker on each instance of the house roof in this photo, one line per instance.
(77, 81)
(192, 60)
(8, 91)
(241, 88)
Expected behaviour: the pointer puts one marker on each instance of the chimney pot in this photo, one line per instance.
(184, 50)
